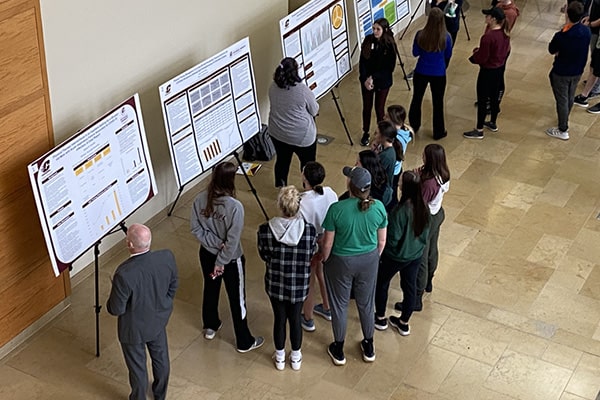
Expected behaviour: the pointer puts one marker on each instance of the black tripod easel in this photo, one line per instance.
(401, 64)
(97, 306)
(412, 17)
(339, 110)
(462, 15)
(252, 188)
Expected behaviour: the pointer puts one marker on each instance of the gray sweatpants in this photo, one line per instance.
(344, 274)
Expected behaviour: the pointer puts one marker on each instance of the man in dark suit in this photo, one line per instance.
(143, 289)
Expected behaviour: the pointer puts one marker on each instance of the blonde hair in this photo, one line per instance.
(288, 201)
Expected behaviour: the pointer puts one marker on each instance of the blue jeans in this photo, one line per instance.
(564, 88)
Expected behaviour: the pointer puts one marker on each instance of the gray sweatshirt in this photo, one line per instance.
(292, 115)
(220, 233)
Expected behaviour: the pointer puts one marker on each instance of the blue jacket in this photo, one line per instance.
(570, 49)
(432, 63)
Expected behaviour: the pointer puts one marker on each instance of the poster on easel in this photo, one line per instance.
(89, 184)
(367, 11)
(316, 35)
(210, 110)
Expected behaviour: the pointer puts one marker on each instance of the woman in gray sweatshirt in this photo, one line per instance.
(217, 221)
(291, 119)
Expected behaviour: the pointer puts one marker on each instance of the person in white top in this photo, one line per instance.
(314, 204)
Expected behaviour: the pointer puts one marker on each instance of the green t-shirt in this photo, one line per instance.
(387, 157)
(401, 244)
(355, 230)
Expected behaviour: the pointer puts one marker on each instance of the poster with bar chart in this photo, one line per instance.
(87, 185)
(316, 35)
(210, 110)
(367, 11)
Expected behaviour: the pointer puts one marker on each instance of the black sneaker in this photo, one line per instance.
(581, 101)
(403, 329)
(594, 109)
(491, 126)
(368, 350)
(364, 140)
(429, 287)
(410, 75)
(474, 134)
(381, 323)
(336, 352)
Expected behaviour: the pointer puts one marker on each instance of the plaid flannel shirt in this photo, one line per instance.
(288, 267)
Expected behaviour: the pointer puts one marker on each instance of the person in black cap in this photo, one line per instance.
(353, 239)
(491, 55)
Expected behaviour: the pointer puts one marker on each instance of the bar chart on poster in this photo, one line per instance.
(316, 35)
(89, 184)
(210, 110)
(367, 11)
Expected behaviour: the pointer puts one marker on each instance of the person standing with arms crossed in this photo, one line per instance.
(142, 293)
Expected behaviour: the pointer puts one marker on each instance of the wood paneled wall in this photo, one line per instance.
(28, 288)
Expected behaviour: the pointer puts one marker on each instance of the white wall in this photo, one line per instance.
(98, 53)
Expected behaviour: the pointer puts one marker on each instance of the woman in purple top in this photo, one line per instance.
(491, 55)
(433, 47)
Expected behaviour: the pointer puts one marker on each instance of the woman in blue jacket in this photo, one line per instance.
(433, 47)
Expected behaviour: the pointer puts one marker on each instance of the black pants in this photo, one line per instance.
(284, 311)
(489, 82)
(234, 277)
(408, 282)
(284, 158)
(135, 358)
(380, 96)
(438, 88)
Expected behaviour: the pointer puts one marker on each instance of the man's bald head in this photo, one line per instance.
(139, 238)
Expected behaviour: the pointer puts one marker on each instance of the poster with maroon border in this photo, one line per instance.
(90, 183)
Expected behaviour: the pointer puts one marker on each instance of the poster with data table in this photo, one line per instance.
(210, 110)
(87, 185)
(316, 35)
(367, 11)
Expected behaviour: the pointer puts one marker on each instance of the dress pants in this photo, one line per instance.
(438, 88)
(379, 96)
(135, 358)
(429, 260)
(234, 278)
(284, 153)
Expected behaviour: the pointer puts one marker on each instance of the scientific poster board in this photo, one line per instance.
(89, 184)
(210, 110)
(367, 11)
(316, 35)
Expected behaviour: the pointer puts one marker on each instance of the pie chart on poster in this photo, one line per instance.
(337, 16)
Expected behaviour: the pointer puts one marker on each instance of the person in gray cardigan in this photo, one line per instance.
(292, 124)
(217, 221)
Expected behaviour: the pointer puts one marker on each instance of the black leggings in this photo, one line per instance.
(489, 82)
(284, 311)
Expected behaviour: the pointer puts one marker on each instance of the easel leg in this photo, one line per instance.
(339, 110)
(174, 203)
(252, 189)
(411, 19)
(97, 306)
(401, 65)
(462, 14)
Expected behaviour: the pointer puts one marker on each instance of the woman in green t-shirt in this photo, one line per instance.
(353, 239)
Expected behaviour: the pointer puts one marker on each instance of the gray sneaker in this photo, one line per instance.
(320, 310)
(474, 134)
(258, 341)
(209, 334)
(557, 133)
(307, 324)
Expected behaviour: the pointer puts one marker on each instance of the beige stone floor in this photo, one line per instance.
(515, 311)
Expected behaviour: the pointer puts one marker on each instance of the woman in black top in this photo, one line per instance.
(376, 65)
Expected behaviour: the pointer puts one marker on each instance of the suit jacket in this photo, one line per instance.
(142, 295)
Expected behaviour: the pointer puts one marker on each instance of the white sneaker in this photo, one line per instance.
(557, 133)
(279, 361)
(209, 334)
(296, 362)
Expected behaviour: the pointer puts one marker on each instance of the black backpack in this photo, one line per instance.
(260, 147)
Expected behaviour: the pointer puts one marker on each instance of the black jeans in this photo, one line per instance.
(380, 96)
(408, 282)
(284, 158)
(489, 82)
(438, 88)
(284, 311)
(235, 285)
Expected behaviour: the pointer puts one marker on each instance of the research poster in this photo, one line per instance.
(316, 35)
(210, 110)
(367, 11)
(89, 184)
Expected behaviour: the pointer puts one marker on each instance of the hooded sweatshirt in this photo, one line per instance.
(287, 245)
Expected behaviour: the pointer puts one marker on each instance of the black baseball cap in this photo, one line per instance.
(495, 13)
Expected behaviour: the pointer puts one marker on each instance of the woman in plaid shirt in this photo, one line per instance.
(286, 244)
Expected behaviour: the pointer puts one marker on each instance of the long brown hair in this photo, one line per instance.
(387, 40)
(433, 36)
(222, 183)
(435, 165)
(411, 192)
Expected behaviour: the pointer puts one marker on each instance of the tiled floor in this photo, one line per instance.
(515, 311)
